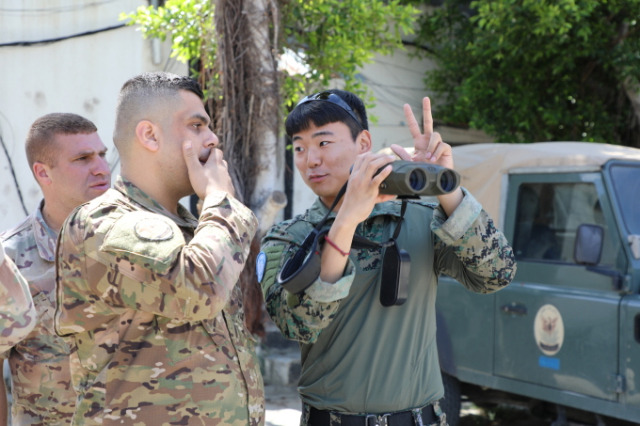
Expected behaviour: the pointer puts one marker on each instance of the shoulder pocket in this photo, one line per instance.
(146, 239)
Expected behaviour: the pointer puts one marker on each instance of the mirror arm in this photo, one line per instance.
(616, 277)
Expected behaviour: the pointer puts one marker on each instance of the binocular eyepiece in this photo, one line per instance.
(410, 178)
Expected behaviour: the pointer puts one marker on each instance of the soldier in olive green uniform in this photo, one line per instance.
(364, 363)
(147, 293)
(17, 314)
(67, 158)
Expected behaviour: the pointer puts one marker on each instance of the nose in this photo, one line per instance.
(212, 140)
(101, 167)
(313, 158)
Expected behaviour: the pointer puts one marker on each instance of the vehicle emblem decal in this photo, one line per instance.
(548, 330)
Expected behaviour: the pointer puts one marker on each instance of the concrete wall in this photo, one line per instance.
(80, 74)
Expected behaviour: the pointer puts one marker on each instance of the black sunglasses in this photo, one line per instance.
(334, 99)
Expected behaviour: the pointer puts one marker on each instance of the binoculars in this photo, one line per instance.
(410, 178)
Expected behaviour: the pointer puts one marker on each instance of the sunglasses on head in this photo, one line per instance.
(334, 99)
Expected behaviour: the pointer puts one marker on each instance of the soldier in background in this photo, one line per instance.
(68, 161)
(362, 362)
(147, 292)
(17, 313)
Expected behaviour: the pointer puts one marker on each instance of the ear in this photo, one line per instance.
(147, 135)
(364, 141)
(41, 172)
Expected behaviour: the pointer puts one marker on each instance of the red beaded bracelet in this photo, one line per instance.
(332, 244)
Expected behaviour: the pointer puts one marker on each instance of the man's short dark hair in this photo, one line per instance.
(40, 143)
(144, 93)
(320, 113)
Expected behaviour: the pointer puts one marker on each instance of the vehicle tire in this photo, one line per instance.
(450, 404)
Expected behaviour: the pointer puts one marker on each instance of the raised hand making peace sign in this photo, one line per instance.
(429, 148)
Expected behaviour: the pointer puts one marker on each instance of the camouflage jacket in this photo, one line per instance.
(149, 303)
(357, 355)
(17, 313)
(40, 375)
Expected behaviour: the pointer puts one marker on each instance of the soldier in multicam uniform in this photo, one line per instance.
(147, 293)
(67, 158)
(364, 363)
(17, 313)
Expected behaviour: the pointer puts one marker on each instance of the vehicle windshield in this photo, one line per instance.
(626, 184)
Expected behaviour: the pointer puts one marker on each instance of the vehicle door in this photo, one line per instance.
(557, 323)
(624, 185)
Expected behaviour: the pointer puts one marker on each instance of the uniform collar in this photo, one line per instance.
(126, 187)
(45, 237)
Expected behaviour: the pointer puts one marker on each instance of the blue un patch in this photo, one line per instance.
(261, 263)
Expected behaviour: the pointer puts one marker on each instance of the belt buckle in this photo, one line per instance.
(379, 420)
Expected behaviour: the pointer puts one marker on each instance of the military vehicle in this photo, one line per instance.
(566, 331)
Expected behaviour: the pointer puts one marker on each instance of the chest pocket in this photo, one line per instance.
(149, 240)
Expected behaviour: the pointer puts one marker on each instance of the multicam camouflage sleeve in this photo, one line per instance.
(152, 309)
(164, 274)
(17, 312)
(471, 249)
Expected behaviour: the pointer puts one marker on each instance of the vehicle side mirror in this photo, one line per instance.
(588, 247)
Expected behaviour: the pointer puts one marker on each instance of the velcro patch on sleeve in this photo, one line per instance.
(271, 266)
(145, 238)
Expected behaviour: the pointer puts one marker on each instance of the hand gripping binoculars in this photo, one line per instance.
(407, 180)
(410, 179)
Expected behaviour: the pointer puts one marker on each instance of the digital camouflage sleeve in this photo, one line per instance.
(471, 249)
(466, 246)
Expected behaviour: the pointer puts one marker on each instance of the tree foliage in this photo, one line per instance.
(190, 24)
(334, 38)
(536, 70)
(327, 38)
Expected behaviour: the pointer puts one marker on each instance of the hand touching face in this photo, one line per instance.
(210, 175)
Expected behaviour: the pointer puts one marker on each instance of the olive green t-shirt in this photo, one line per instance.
(357, 355)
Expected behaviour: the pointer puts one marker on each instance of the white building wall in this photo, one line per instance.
(81, 74)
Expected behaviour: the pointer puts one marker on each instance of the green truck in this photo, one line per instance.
(566, 332)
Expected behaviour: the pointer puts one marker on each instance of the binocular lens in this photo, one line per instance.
(410, 179)
(448, 181)
(417, 180)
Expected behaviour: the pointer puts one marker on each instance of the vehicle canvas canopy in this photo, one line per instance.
(484, 168)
